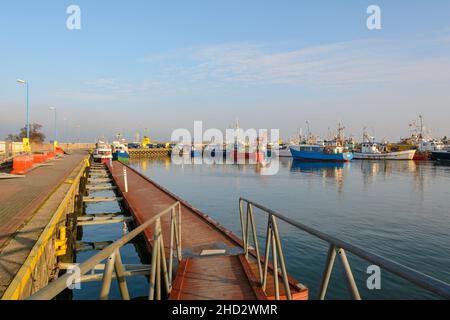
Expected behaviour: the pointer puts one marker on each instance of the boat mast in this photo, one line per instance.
(340, 135)
(308, 132)
(421, 126)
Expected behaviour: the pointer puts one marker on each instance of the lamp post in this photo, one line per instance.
(27, 141)
(55, 135)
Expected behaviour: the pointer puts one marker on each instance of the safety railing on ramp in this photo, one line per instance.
(114, 268)
(336, 246)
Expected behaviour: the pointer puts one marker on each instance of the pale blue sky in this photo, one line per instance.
(272, 64)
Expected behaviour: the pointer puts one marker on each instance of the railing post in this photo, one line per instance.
(125, 179)
(179, 233)
(331, 256)
(172, 231)
(163, 261)
(275, 266)
(284, 276)
(266, 254)
(155, 251)
(348, 271)
(246, 231)
(255, 241)
(158, 269)
(107, 277)
(118, 266)
(241, 214)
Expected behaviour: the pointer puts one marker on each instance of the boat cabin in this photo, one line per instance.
(430, 146)
(322, 149)
(370, 147)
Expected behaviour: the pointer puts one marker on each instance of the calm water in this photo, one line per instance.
(399, 210)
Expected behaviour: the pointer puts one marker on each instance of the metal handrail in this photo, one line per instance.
(272, 239)
(114, 262)
(422, 280)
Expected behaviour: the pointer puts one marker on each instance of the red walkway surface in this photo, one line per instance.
(228, 276)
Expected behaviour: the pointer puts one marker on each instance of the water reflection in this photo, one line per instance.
(330, 171)
(422, 173)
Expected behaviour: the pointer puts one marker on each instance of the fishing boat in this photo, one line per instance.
(243, 148)
(196, 150)
(319, 153)
(371, 150)
(102, 152)
(120, 149)
(281, 149)
(214, 150)
(320, 150)
(421, 140)
(443, 155)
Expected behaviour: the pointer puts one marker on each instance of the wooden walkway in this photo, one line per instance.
(226, 274)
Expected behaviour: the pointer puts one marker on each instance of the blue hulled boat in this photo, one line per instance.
(120, 151)
(320, 153)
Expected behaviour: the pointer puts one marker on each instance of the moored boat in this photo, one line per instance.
(283, 150)
(120, 149)
(421, 140)
(371, 150)
(320, 153)
(120, 152)
(443, 155)
(102, 152)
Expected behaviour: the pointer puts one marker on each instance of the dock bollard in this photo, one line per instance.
(125, 180)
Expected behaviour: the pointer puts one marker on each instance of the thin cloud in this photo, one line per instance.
(87, 96)
(344, 64)
(103, 82)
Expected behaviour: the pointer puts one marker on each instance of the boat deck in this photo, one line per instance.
(227, 275)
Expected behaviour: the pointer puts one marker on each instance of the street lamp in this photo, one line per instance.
(55, 137)
(27, 143)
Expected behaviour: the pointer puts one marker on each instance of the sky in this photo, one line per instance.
(155, 66)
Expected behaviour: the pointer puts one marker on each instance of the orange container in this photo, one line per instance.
(39, 157)
(59, 150)
(50, 156)
(22, 164)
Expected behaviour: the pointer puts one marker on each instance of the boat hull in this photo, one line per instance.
(320, 156)
(196, 153)
(440, 156)
(121, 156)
(255, 156)
(400, 155)
(103, 159)
(286, 153)
(422, 156)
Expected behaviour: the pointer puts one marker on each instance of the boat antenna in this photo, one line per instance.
(421, 126)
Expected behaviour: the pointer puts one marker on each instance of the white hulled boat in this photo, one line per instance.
(102, 152)
(370, 150)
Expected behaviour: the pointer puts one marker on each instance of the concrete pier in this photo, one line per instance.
(27, 207)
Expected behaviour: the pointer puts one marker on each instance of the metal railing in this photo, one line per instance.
(336, 246)
(114, 267)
